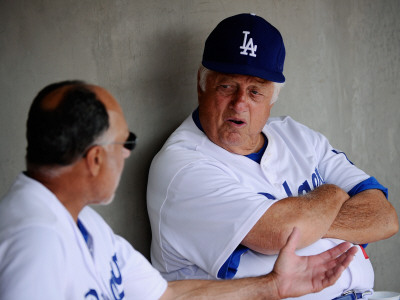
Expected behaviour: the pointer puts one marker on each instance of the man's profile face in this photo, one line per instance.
(115, 152)
(233, 110)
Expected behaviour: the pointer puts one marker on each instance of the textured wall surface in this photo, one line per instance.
(342, 70)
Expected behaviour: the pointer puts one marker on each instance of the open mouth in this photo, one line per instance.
(237, 122)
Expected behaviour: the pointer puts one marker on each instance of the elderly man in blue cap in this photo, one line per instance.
(231, 183)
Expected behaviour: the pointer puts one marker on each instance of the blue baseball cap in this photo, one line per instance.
(246, 44)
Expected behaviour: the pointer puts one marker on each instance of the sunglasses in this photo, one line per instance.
(129, 144)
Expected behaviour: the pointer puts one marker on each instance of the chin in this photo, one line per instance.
(107, 201)
(232, 141)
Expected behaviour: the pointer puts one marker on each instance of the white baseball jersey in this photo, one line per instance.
(43, 254)
(203, 200)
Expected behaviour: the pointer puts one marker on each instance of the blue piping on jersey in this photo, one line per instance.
(341, 152)
(258, 155)
(196, 119)
(84, 231)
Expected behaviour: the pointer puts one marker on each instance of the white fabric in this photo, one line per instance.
(43, 255)
(203, 200)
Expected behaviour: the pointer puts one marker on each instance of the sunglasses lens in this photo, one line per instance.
(130, 142)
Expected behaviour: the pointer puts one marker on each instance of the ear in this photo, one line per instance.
(275, 94)
(199, 90)
(94, 160)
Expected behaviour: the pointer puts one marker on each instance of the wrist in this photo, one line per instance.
(271, 284)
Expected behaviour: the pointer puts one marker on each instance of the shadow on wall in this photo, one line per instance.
(164, 93)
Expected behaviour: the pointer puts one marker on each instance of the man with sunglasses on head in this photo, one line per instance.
(53, 246)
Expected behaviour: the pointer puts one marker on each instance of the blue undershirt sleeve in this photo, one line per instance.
(368, 184)
(230, 267)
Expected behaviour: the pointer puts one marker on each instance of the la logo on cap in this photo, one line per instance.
(248, 45)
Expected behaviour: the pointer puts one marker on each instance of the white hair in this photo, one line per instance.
(204, 73)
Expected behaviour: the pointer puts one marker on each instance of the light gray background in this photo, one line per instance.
(342, 70)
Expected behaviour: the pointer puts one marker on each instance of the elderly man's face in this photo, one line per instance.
(233, 110)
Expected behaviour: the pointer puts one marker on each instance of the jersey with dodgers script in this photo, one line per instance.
(43, 254)
(203, 200)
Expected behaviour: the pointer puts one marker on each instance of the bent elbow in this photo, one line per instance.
(395, 225)
(278, 241)
(392, 224)
(267, 243)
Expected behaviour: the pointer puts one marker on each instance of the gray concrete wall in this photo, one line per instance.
(342, 70)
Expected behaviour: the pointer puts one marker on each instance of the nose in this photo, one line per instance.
(239, 101)
(126, 153)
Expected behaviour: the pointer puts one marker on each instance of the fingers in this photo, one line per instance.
(336, 266)
(345, 259)
(337, 251)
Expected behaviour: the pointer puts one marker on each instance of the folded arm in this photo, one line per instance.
(312, 213)
(366, 217)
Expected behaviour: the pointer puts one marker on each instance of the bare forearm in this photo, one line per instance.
(246, 288)
(366, 217)
(312, 213)
(292, 276)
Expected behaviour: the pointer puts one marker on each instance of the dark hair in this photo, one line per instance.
(58, 136)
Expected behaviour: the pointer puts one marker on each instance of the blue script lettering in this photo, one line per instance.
(287, 189)
(92, 295)
(304, 188)
(116, 280)
(269, 196)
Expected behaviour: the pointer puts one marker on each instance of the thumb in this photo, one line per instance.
(292, 241)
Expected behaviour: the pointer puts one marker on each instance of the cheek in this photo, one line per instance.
(211, 113)
(118, 167)
(259, 117)
(113, 180)
(115, 167)
(212, 103)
